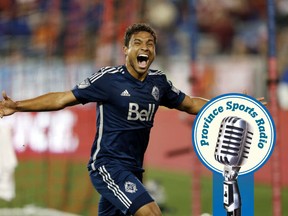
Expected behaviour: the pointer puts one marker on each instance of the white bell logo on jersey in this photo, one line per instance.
(142, 115)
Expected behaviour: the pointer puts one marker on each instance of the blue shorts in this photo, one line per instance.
(122, 191)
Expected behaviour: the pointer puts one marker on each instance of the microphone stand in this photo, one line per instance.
(231, 194)
(235, 212)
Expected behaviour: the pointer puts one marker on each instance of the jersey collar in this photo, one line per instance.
(129, 76)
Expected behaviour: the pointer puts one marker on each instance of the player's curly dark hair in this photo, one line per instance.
(138, 27)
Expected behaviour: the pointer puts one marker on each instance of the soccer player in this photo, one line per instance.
(127, 98)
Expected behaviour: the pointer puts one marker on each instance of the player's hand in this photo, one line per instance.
(260, 99)
(7, 106)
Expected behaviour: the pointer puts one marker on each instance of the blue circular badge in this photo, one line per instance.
(234, 130)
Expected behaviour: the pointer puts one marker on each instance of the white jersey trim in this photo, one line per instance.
(156, 72)
(102, 72)
(100, 131)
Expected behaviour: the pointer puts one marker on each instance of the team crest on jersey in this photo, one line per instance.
(84, 84)
(155, 93)
(130, 187)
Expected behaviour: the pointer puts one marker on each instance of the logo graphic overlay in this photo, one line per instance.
(247, 109)
(232, 149)
(228, 129)
(234, 142)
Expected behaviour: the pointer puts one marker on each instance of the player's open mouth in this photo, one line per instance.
(142, 60)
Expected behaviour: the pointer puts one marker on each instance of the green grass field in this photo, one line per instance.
(65, 185)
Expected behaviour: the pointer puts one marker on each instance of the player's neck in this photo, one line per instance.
(139, 75)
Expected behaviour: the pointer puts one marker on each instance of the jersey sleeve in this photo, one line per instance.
(173, 97)
(93, 88)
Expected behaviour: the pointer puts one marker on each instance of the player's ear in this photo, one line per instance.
(125, 50)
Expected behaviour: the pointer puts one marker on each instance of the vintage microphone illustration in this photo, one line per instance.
(232, 150)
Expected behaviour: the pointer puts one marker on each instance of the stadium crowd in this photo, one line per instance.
(58, 27)
(82, 30)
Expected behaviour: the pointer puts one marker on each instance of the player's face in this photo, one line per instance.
(140, 54)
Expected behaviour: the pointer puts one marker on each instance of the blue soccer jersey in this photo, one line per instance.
(125, 112)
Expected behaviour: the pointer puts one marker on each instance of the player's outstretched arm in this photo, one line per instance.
(192, 105)
(47, 102)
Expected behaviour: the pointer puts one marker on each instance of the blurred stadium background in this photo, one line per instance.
(51, 45)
